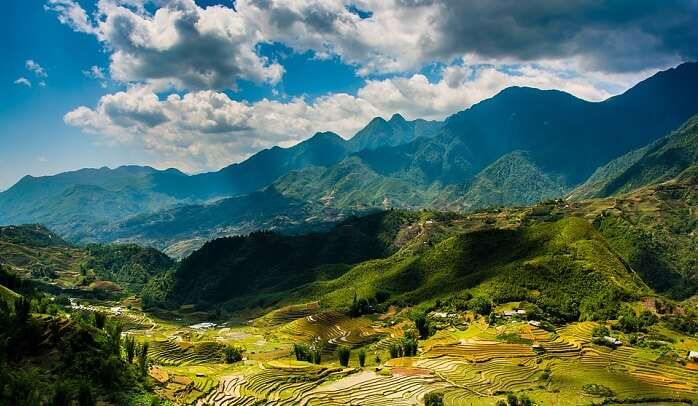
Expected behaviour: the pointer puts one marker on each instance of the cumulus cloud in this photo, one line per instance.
(23, 82)
(589, 48)
(71, 14)
(204, 130)
(404, 35)
(181, 44)
(35, 68)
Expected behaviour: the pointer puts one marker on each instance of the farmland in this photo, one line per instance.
(472, 364)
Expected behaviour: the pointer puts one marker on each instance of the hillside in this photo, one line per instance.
(36, 253)
(504, 151)
(658, 162)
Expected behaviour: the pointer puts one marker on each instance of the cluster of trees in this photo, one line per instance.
(312, 353)
(61, 361)
(361, 306)
(685, 323)
(232, 354)
(513, 400)
(631, 322)
(464, 301)
(407, 347)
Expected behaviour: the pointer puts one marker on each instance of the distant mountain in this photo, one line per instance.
(81, 204)
(397, 131)
(564, 138)
(521, 146)
(660, 161)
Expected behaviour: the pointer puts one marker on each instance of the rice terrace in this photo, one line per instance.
(349, 202)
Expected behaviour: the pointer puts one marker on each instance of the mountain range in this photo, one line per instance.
(521, 146)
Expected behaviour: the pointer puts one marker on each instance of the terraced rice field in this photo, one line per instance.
(175, 353)
(333, 328)
(471, 367)
(288, 314)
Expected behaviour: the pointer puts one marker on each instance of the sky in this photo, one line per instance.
(198, 85)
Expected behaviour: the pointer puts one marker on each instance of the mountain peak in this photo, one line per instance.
(397, 117)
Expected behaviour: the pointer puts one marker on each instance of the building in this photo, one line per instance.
(614, 341)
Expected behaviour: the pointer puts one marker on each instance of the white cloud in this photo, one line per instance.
(178, 45)
(204, 130)
(96, 72)
(35, 68)
(23, 81)
(71, 14)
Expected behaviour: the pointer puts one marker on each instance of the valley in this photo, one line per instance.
(464, 262)
(498, 305)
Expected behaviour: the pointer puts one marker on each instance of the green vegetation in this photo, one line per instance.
(597, 390)
(232, 354)
(126, 264)
(362, 357)
(343, 354)
(434, 399)
(50, 359)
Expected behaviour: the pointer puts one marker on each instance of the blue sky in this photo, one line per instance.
(112, 82)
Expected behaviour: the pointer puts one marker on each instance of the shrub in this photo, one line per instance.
(434, 399)
(600, 331)
(232, 354)
(362, 357)
(343, 354)
(302, 352)
(597, 390)
(99, 319)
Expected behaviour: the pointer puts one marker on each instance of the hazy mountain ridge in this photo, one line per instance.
(83, 204)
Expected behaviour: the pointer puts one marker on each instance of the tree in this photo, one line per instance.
(362, 357)
(114, 331)
(22, 309)
(99, 319)
(423, 326)
(302, 352)
(232, 354)
(343, 354)
(143, 358)
(434, 399)
(600, 331)
(130, 346)
(480, 305)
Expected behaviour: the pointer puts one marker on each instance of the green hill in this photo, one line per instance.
(658, 162)
(36, 253)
